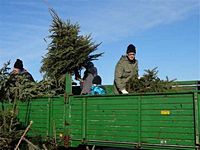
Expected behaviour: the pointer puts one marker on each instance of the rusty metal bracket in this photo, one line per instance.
(66, 98)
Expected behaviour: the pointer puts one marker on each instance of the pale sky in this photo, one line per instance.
(166, 33)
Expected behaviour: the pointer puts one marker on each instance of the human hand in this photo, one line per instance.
(79, 79)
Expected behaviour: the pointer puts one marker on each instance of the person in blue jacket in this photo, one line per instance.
(97, 88)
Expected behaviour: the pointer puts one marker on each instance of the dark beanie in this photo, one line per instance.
(131, 48)
(97, 80)
(88, 64)
(18, 64)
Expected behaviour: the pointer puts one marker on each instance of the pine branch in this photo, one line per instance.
(150, 82)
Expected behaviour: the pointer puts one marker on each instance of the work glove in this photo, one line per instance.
(124, 91)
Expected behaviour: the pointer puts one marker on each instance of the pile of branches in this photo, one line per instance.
(150, 82)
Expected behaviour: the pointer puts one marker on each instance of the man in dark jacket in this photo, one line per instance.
(19, 70)
(126, 69)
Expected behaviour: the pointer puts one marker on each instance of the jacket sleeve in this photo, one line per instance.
(118, 76)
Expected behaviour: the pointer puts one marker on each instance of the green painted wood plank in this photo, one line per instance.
(181, 112)
(129, 133)
(161, 135)
(160, 118)
(108, 122)
(111, 107)
(107, 112)
(112, 117)
(112, 138)
(112, 128)
(112, 101)
(168, 129)
(167, 106)
(167, 141)
(165, 123)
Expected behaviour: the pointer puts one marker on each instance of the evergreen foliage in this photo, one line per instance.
(25, 90)
(12, 91)
(22, 88)
(67, 50)
(4, 81)
(150, 82)
(10, 129)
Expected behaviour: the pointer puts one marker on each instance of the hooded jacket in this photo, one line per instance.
(124, 71)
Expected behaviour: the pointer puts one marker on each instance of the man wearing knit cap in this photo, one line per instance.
(19, 70)
(126, 69)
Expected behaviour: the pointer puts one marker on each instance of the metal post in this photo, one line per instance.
(139, 121)
(68, 84)
(84, 119)
(196, 113)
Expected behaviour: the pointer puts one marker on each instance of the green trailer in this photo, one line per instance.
(146, 121)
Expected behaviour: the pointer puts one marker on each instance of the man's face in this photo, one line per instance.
(16, 70)
(131, 56)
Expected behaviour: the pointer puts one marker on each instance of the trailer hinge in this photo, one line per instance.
(66, 123)
(138, 146)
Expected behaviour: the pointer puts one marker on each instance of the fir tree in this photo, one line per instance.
(67, 50)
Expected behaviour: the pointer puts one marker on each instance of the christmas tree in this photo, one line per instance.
(67, 51)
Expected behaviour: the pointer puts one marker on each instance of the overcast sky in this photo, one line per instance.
(165, 32)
